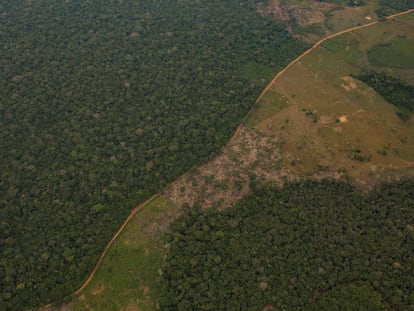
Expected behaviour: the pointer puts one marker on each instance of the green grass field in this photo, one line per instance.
(397, 53)
(335, 121)
(128, 276)
(271, 104)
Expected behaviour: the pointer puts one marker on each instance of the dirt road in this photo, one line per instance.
(280, 73)
(98, 263)
(135, 210)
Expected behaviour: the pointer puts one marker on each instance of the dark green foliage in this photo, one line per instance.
(398, 5)
(356, 3)
(346, 2)
(350, 297)
(299, 248)
(102, 104)
(389, 7)
(393, 90)
(335, 1)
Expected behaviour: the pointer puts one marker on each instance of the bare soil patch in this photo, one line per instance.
(250, 158)
(224, 180)
(349, 83)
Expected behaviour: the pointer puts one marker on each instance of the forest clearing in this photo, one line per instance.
(205, 176)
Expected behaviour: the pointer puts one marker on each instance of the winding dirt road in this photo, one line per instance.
(98, 263)
(280, 73)
(141, 206)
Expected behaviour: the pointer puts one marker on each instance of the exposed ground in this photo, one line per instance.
(313, 20)
(251, 158)
(335, 122)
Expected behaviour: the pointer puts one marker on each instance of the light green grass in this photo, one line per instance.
(408, 18)
(384, 47)
(272, 103)
(397, 53)
(348, 17)
(332, 116)
(128, 276)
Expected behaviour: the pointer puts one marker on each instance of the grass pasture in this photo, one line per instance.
(128, 276)
(336, 122)
(385, 47)
(351, 16)
(271, 104)
(398, 52)
(315, 19)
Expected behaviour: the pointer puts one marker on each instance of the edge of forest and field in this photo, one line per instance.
(234, 136)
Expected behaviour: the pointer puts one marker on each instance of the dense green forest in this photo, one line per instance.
(102, 104)
(393, 90)
(346, 2)
(389, 7)
(310, 246)
(397, 5)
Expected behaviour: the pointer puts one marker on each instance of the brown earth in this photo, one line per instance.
(250, 157)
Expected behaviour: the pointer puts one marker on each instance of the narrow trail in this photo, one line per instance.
(297, 59)
(105, 251)
(98, 263)
(266, 89)
(236, 133)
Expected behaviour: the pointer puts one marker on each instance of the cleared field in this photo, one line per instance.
(314, 20)
(351, 16)
(271, 104)
(401, 49)
(128, 276)
(335, 122)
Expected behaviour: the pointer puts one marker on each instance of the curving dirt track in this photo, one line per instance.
(266, 89)
(280, 73)
(98, 263)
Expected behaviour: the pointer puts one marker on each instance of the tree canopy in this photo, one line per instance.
(309, 246)
(102, 104)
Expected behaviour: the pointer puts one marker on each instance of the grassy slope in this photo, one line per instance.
(128, 276)
(315, 136)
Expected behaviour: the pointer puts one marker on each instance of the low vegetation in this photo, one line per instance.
(335, 122)
(129, 273)
(393, 90)
(396, 53)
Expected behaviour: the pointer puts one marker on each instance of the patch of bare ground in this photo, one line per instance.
(132, 307)
(250, 157)
(349, 83)
(275, 10)
(312, 13)
(98, 290)
(295, 13)
(270, 307)
(63, 307)
(224, 180)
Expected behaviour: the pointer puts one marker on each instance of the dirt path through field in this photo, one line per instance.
(141, 206)
(133, 212)
(280, 73)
